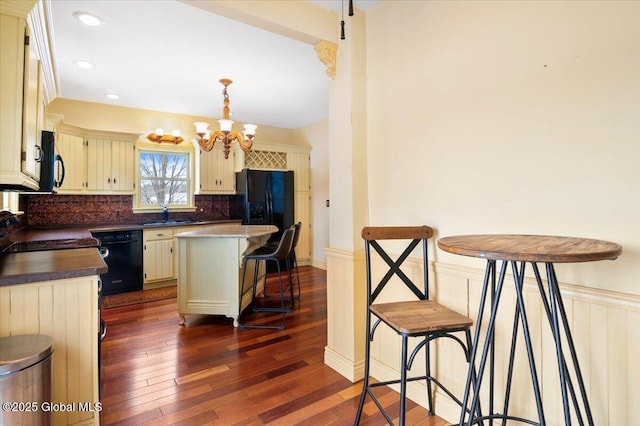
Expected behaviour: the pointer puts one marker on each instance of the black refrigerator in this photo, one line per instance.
(267, 199)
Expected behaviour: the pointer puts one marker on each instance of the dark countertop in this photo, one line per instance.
(35, 266)
(53, 253)
(54, 236)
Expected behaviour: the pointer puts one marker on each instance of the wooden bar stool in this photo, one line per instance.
(422, 318)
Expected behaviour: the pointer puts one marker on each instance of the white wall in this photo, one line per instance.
(516, 117)
(509, 117)
(317, 135)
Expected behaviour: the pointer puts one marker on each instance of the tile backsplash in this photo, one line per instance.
(47, 210)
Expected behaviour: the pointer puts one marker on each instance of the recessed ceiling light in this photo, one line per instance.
(83, 64)
(88, 19)
(112, 96)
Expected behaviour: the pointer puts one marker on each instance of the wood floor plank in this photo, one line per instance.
(155, 372)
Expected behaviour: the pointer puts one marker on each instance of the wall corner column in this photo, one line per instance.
(346, 294)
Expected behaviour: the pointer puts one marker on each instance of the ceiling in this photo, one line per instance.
(168, 56)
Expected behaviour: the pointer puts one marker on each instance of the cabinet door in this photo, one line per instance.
(122, 166)
(66, 310)
(301, 208)
(31, 150)
(12, 61)
(158, 260)
(208, 171)
(99, 176)
(217, 175)
(300, 164)
(72, 149)
(226, 175)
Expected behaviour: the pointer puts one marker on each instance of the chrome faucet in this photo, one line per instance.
(165, 213)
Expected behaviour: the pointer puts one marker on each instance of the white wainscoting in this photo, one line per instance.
(606, 332)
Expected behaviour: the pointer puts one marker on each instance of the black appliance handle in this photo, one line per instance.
(39, 154)
(103, 329)
(113, 243)
(104, 252)
(269, 207)
(60, 178)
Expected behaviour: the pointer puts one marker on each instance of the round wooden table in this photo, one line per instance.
(508, 250)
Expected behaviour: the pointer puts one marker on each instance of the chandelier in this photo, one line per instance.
(225, 135)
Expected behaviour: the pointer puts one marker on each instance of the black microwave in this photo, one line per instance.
(52, 166)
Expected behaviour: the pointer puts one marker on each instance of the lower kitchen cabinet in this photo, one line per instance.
(158, 256)
(66, 310)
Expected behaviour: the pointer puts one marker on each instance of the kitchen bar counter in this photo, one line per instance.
(231, 230)
(210, 268)
(29, 267)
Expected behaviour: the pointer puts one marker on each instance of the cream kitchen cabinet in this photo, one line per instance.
(74, 153)
(299, 162)
(96, 162)
(110, 166)
(158, 255)
(217, 174)
(302, 202)
(32, 114)
(19, 104)
(66, 310)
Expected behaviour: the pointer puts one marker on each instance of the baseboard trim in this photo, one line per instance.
(353, 371)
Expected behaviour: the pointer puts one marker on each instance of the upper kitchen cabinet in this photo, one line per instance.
(73, 151)
(110, 166)
(27, 85)
(96, 162)
(20, 84)
(217, 174)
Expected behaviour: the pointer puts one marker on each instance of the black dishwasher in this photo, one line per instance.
(123, 256)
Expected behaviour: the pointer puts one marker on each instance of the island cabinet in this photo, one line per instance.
(210, 268)
(66, 310)
(217, 174)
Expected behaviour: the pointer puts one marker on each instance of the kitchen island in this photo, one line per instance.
(210, 268)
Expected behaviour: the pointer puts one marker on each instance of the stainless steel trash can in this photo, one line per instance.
(25, 379)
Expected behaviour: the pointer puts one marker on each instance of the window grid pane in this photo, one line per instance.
(164, 178)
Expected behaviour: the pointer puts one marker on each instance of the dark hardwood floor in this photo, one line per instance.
(208, 372)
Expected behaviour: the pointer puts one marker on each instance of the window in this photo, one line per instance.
(164, 178)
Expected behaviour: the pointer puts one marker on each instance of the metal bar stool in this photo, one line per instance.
(266, 254)
(422, 318)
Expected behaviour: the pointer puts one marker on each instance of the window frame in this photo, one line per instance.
(143, 146)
